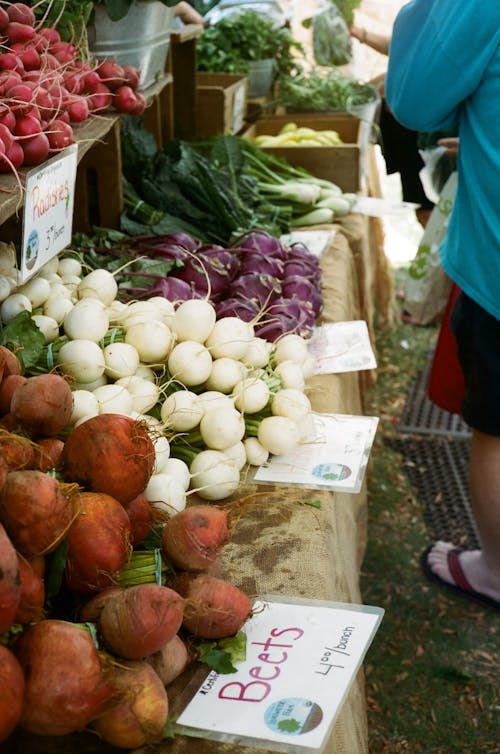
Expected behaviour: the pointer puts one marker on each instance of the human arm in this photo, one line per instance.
(437, 58)
(187, 14)
(378, 42)
(450, 143)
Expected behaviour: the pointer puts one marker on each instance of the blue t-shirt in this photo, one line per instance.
(444, 71)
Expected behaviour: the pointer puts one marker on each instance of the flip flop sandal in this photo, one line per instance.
(461, 585)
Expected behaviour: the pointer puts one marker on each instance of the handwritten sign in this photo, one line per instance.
(334, 455)
(48, 211)
(302, 657)
(342, 347)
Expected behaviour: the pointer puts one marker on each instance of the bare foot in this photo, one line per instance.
(471, 563)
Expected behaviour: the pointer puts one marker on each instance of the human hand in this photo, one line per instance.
(187, 14)
(450, 143)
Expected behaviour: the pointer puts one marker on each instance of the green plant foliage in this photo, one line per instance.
(241, 37)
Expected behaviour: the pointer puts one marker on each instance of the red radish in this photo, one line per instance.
(77, 109)
(6, 136)
(50, 34)
(100, 99)
(65, 52)
(21, 96)
(35, 511)
(21, 13)
(43, 405)
(98, 542)
(193, 539)
(17, 32)
(35, 149)
(10, 581)
(4, 19)
(10, 62)
(7, 117)
(140, 715)
(109, 453)
(132, 76)
(140, 619)
(32, 597)
(28, 55)
(214, 608)
(11, 692)
(91, 80)
(60, 135)
(27, 125)
(111, 73)
(125, 99)
(171, 660)
(91, 610)
(47, 452)
(17, 451)
(66, 686)
(140, 104)
(12, 159)
(10, 383)
(142, 517)
(11, 364)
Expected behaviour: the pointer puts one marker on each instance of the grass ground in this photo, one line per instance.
(432, 670)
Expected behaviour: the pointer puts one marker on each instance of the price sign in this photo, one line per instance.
(302, 657)
(48, 211)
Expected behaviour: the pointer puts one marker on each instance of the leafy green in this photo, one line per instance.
(229, 45)
(24, 338)
(347, 8)
(323, 90)
(220, 655)
(70, 17)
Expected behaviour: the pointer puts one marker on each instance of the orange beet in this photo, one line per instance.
(35, 511)
(32, 596)
(109, 453)
(214, 608)
(43, 405)
(10, 581)
(140, 715)
(98, 542)
(193, 539)
(66, 686)
(11, 692)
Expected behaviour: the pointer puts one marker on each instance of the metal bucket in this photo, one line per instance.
(141, 38)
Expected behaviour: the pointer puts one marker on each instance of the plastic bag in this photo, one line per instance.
(427, 285)
(330, 36)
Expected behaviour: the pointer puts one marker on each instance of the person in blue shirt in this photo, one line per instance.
(444, 72)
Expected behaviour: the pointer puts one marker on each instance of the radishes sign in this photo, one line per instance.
(48, 211)
(301, 658)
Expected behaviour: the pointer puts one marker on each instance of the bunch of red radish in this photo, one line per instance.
(46, 88)
(54, 680)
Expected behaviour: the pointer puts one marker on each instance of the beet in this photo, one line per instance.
(109, 453)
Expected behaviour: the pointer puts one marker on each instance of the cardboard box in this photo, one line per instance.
(343, 164)
(221, 103)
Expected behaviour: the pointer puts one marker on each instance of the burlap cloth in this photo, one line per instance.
(281, 546)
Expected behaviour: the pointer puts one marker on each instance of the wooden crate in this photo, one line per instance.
(342, 164)
(221, 103)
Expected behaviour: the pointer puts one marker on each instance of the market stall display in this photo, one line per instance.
(106, 460)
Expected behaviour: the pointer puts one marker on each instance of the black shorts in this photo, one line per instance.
(478, 342)
(400, 150)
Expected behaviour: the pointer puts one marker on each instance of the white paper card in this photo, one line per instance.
(342, 347)
(302, 657)
(334, 455)
(317, 241)
(375, 207)
(48, 210)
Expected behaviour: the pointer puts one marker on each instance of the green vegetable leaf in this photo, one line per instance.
(221, 655)
(24, 338)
